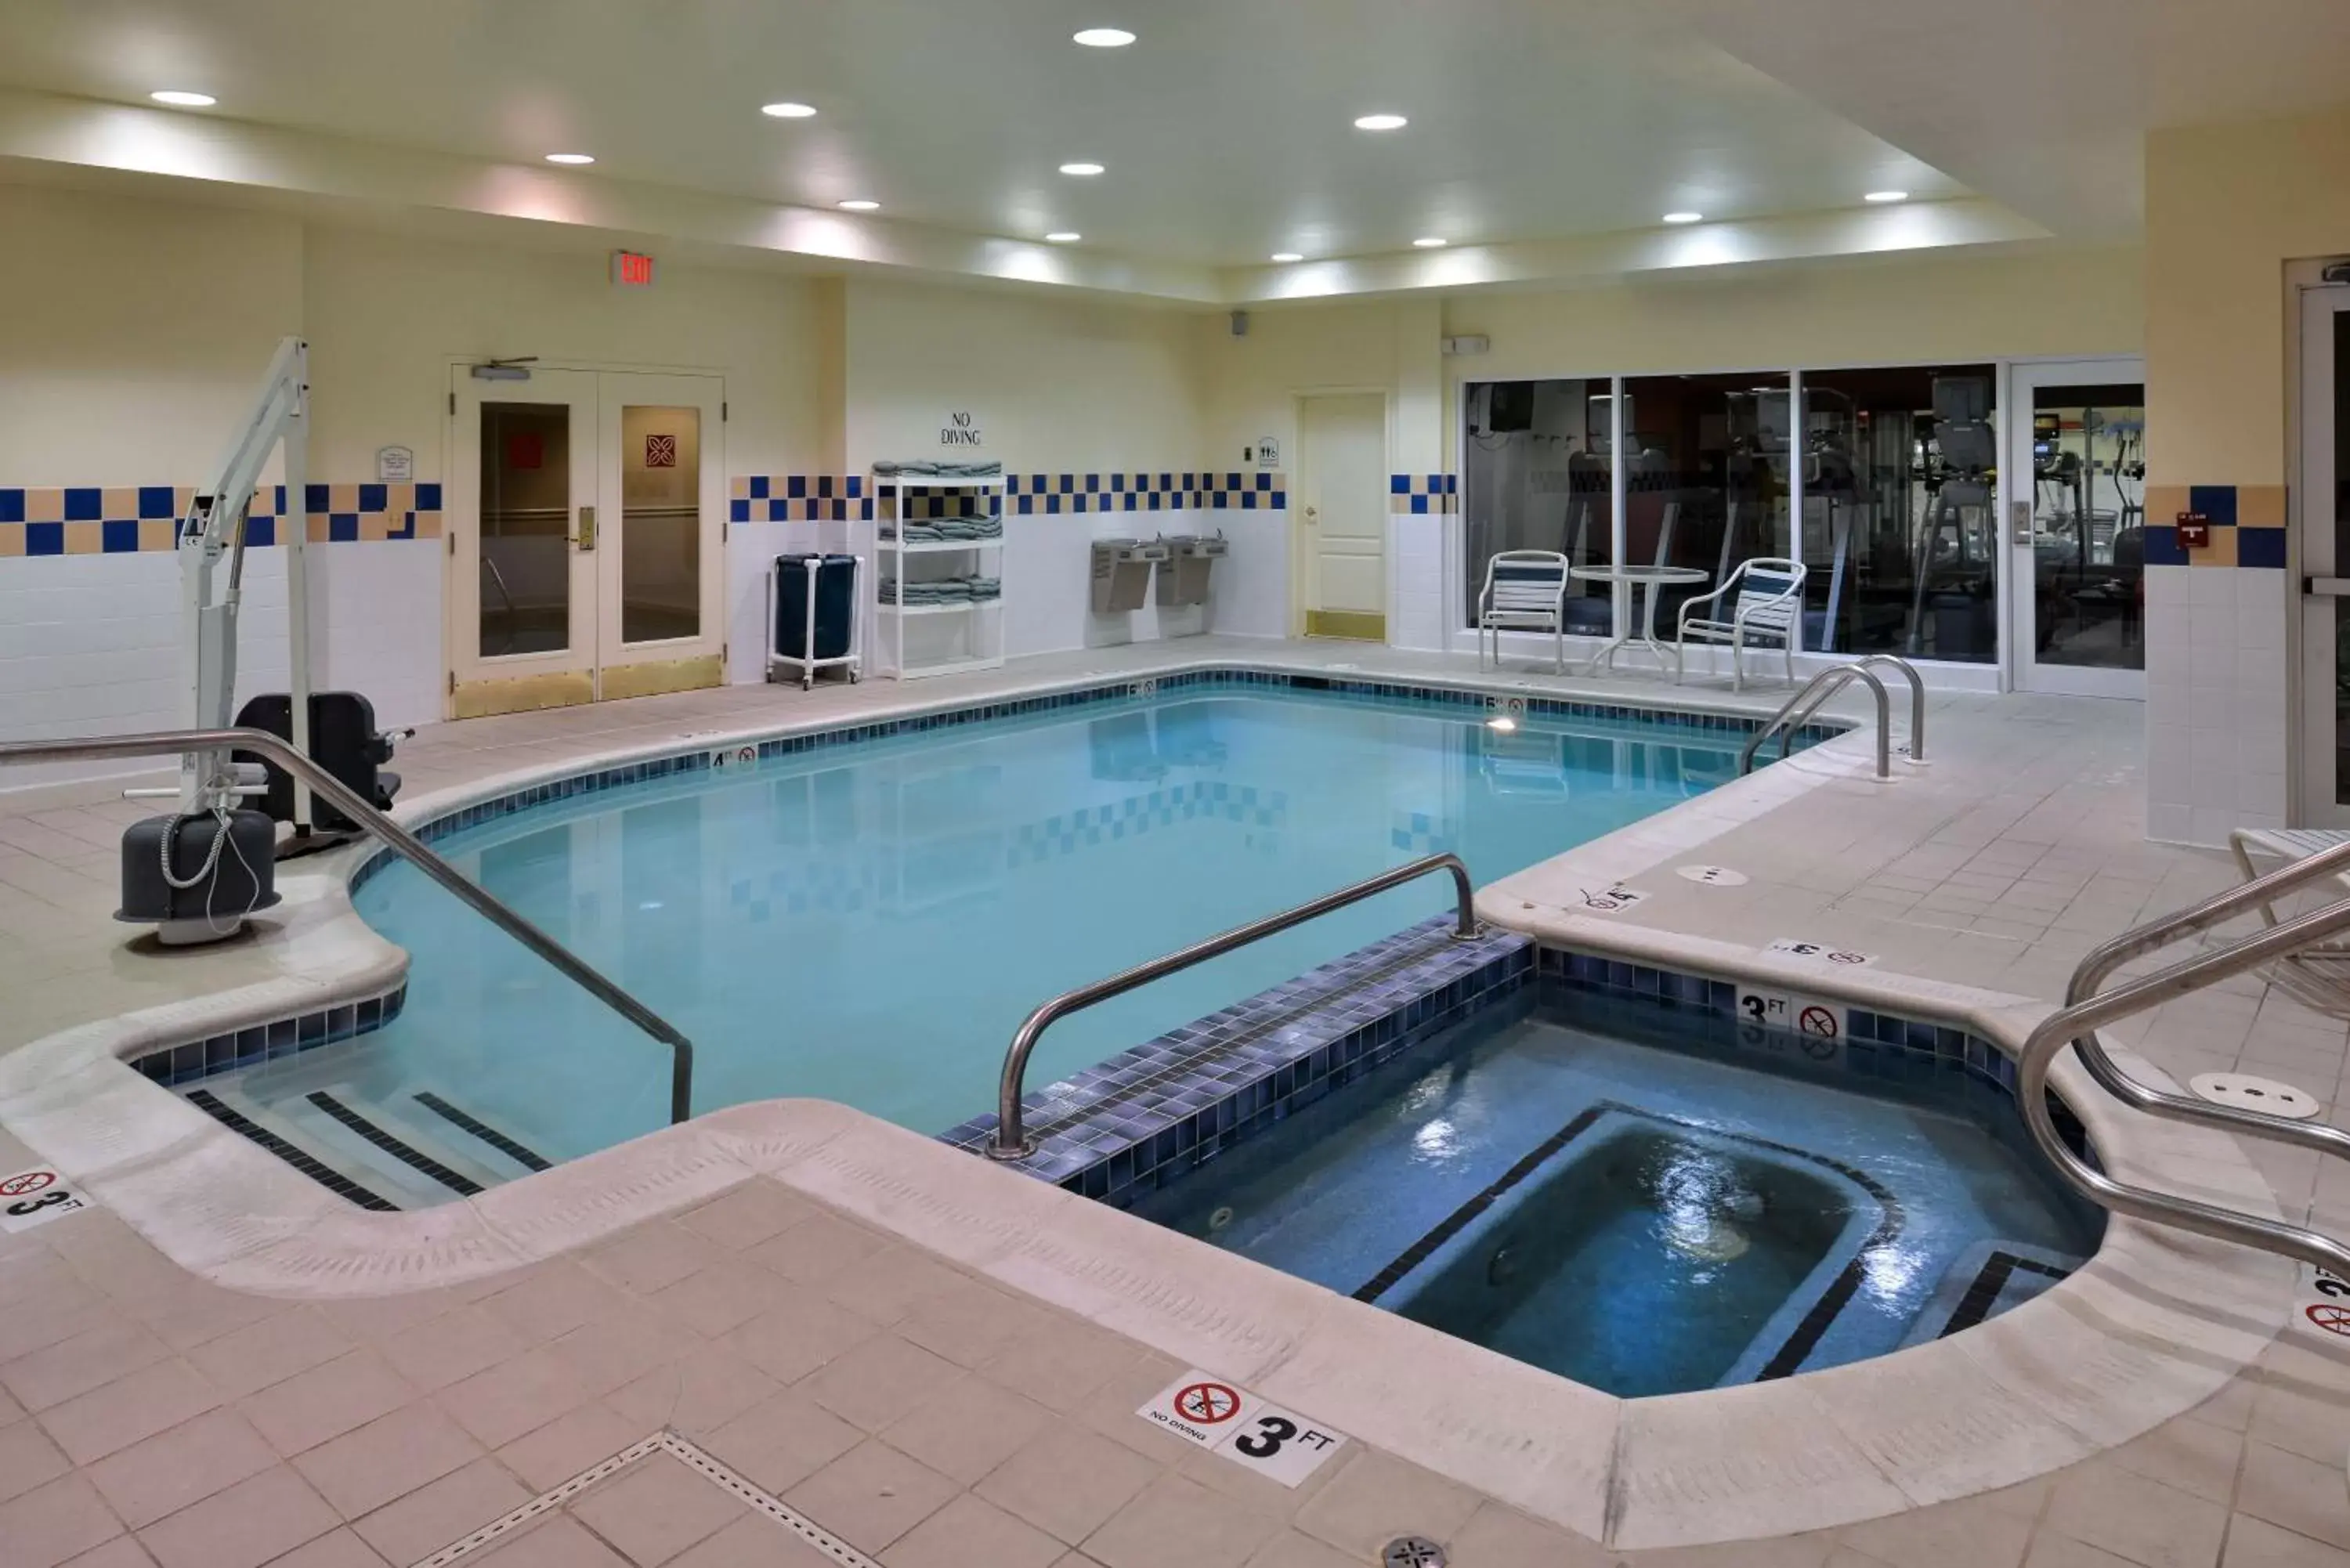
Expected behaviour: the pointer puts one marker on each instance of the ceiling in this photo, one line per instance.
(1564, 129)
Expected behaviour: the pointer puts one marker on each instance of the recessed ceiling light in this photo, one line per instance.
(1685, 217)
(1081, 167)
(788, 111)
(1103, 37)
(1431, 241)
(1063, 237)
(1381, 122)
(178, 100)
(860, 205)
(1884, 197)
(1287, 256)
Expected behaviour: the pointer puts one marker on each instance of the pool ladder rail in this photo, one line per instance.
(1010, 1141)
(376, 824)
(1799, 708)
(2089, 1008)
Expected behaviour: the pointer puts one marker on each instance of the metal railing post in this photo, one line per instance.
(363, 815)
(1800, 708)
(1011, 1141)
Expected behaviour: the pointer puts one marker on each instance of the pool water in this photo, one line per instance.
(1582, 1184)
(869, 922)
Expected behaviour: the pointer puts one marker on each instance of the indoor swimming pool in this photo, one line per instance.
(1635, 1200)
(869, 921)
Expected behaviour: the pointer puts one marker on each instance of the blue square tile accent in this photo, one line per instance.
(738, 510)
(158, 501)
(45, 538)
(316, 498)
(428, 496)
(2216, 502)
(343, 527)
(2163, 549)
(85, 504)
(261, 532)
(119, 536)
(757, 487)
(2261, 547)
(795, 486)
(11, 505)
(375, 498)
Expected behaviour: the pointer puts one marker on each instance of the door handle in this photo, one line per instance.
(1313, 514)
(585, 539)
(2326, 587)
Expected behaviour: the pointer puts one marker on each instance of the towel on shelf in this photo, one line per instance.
(914, 533)
(932, 468)
(940, 590)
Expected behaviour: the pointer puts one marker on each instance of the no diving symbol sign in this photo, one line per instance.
(2333, 1319)
(1818, 1021)
(36, 1197)
(1278, 1444)
(26, 1181)
(1207, 1404)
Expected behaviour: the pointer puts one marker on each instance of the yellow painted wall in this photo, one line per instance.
(2227, 207)
(136, 332)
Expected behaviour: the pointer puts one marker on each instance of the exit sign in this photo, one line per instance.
(631, 270)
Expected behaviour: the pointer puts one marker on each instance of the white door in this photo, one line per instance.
(587, 512)
(1341, 517)
(2324, 534)
(2075, 493)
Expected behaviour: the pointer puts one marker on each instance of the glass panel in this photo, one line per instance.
(1707, 482)
(526, 528)
(2089, 525)
(660, 524)
(1535, 474)
(1898, 523)
(2340, 502)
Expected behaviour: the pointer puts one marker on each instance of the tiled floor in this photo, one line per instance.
(928, 1416)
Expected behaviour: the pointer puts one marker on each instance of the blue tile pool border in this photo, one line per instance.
(272, 1039)
(1151, 1114)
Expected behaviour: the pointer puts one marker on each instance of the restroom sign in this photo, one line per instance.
(1225, 1418)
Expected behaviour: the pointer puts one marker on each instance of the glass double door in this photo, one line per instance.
(586, 516)
(2324, 537)
(2076, 504)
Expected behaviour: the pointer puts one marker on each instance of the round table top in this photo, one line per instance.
(1639, 574)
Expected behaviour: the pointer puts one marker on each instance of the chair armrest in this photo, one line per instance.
(1712, 598)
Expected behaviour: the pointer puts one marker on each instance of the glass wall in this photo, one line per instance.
(1705, 476)
(2089, 524)
(1900, 531)
(1536, 474)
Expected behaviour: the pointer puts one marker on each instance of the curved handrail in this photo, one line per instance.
(363, 815)
(1805, 703)
(2077, 1024)
(1916, 699)
(1012, 1142)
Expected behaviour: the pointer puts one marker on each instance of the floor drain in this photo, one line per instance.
(1413, 1552)
(2242, 1092)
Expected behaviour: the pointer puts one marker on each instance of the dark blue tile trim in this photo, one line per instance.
(254, 1044)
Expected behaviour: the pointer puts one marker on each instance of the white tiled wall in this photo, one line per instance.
(1416, 554)
(2217, 728)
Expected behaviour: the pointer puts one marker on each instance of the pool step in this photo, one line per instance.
(410, 1149)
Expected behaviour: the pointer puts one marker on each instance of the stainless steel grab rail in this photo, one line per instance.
(1012, 1141)
(1917, 698)
(1807, 701)
(399, 841)
(2089, 1009)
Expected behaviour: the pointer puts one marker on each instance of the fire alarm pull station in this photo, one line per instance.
(2194, 530)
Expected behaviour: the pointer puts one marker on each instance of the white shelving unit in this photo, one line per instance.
(954, 636)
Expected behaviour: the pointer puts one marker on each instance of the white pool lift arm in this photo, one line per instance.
(214, 526)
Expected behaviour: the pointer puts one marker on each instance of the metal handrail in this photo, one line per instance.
(368, 819)
(1010, 1141)
(1916, 699)
(1807, 701)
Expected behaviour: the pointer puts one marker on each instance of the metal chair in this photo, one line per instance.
(1770, 597)
(1525, 590)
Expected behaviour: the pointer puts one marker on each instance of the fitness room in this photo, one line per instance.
(1094, 787)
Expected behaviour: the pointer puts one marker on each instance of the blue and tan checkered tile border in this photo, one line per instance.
(848, 497)
(2248, 525)
(121, 520)
(1420, 495)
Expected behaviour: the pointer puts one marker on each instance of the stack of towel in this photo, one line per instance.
(924, 468)
(938, 531)
(940, 591)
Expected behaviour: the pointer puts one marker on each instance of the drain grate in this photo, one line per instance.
(1413, 1552)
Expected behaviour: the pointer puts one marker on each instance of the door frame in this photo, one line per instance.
(2018, 498)
(672, 664)
(2311, 620)
(578, 675)
(1298, 547)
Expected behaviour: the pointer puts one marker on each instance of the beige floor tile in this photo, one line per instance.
(1176, 1523)
(875, 1383)
(1374, 1498)
(252, 1522)
(967, 1429)
(453, 1346)
(388, 1457)
(2194, 1456)
(128, 1409)
(561, 1541)
(1810, 1551)
(817, 1249)
(1970, 1534)
(800, 1332)
(28, 1458)
(434, 1515)
(1060, 1363)
(521, 1396)
(553, 1299)
(1292, 1549)
(2257, 1544)
(971, 1323)
(722, 1296)
(889, 1284)
(249, 1359)
(756, 1541)
(577, 1440)
(74, 1367)
(2302, 1495)
(782, 1442)
(337, 1396)
(123, 1552)
(756, 1211)
(695, 1396)
(871, 1495)
(55, 1521)
(610, 1352)
(1501, 1537)
(1067, 1482)
(651, 1256)
(968, 1532)
(2295, 1416)
(186, 1465)
(656, 1509)
(2145, 1520)
(338, 1549)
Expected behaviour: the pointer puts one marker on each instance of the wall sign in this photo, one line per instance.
(1227, 1420)
(961, 429)
(661, 451)
(631, 269)
(395, 464)
(1268, 451)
